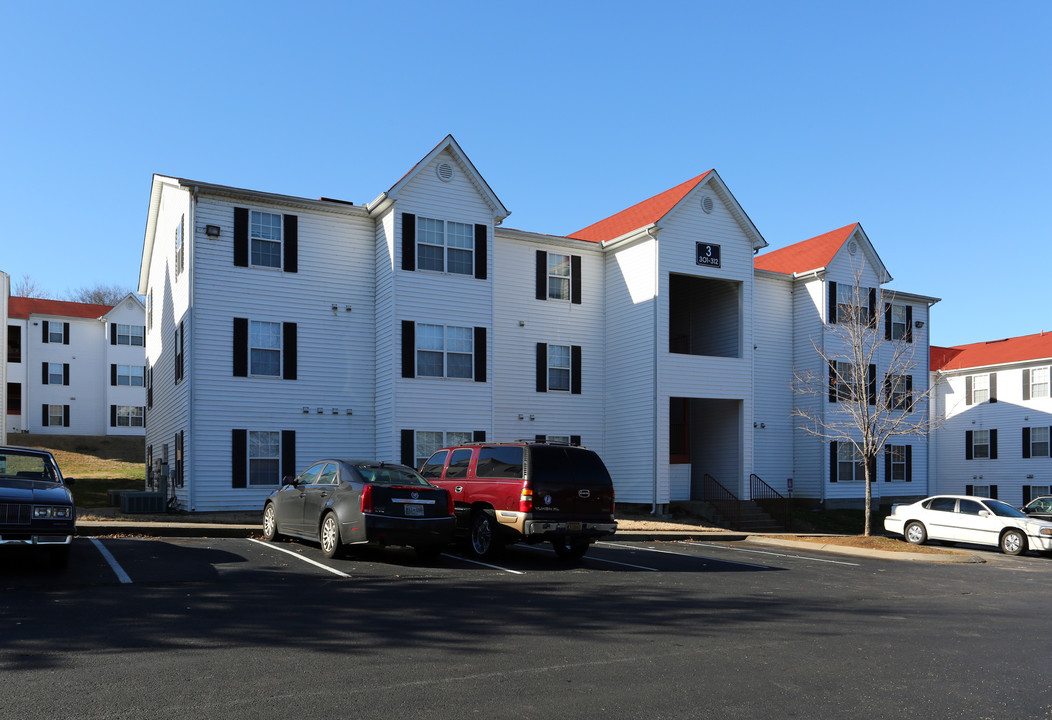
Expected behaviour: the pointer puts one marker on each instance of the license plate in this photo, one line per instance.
(414, 510)
(573, 527)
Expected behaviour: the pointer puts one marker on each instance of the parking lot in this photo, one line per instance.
(239, 628)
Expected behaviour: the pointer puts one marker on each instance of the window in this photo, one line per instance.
(427, 442)
(1038, 383)
(131, 335)
(14, 398)
(445, 246)
(131, 375)
(179, 247)
(899, 324)
(979, 491)
(1035, 442)
(980, 444)
(850, 467)
(444, 351)
(896, 463)
(849, 308)
(265, 348)
(14, 344)
(55, 374)
(264, 458)
(265, 239)
(56, 415)
(900, 391)
(149, 309)
(558, 277)
(130, 416)
(56, 332)
(844, 381)
(980, 389)
(559, 367)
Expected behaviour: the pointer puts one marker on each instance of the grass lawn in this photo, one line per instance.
(96, 463)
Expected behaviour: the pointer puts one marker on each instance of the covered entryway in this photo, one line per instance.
(706, 436)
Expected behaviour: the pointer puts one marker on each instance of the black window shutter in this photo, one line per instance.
(291, 243)
(832, 381)
(43, 325)
(540, 438)
(113, 333)
(65, 333)
(481, 245)
(993, 492)
(873, 307)
(575, 369)
(65, 373)
(113, 416)
(113, 374)
(408, 449)
(43, 373)
(887, 463)
(909, 463)
(871, 381)
(44, 415)
(993, 387)
(1026, 442)
(408, 242)
(968, 390)
(65, 416)
(288, 453)
(240, 243)
(1026, 384)
(240, 349)
(478, 436)
(542, 367)
(575, 279)
(542, 275)
(238, 458)
(575, 440)
(887, 321)
(993, 444)
(909, 323)
(480, 354)
(408, 349)
(831, 311)
(1026, 494)
(149, 388)
(967, 444)
(182, 347)
(288, 351)
(969, 490)
(909, 392)
(833, 461)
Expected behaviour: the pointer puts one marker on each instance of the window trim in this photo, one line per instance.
(445, 352)
(255, 237)
(421, 235)
(251, 364)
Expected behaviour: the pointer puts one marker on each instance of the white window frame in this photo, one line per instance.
(56, 332)
(149, 310)
(56, 416)
(130, 374)
(1039, 383)
(258, 447)
(434, 340)
(559, 277)
(555, 369)
(179, 247)
(899, 327)
(265, 231)
(981, 491)
(981, 439)
(984, 382)
(1046, 442)
(898, 462)
(254, 329)
(428, 442)
(899, 398)
(845, 304)
(855, 462)
(55, 376)
(131, 335)
(452, 237)
(845, 382)
(131, 416)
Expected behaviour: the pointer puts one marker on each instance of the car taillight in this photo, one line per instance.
(449, 502)
(526, 498)
(613, 504)
(367, 499)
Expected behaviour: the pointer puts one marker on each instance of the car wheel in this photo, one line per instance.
(330, 535)
(428, 553)
(484, 542)
(1013, 542)
(270, 523)
(569, 548)
(916, 534)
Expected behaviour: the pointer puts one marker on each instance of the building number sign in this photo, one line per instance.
(708, 255)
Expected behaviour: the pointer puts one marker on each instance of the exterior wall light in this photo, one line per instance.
(212, 231)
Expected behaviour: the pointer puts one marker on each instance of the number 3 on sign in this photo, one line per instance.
(708, 254)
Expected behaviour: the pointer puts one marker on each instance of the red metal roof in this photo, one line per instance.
(993, 352)
(22, 307)
(805, 255)
(639, 215)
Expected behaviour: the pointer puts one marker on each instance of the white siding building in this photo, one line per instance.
(993, 417)
(75, 368)
(280, 329)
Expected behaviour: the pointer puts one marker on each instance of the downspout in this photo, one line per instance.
(652, 232)
(188, 358)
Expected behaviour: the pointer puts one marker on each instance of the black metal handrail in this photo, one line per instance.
(770, 500)
(726, 502)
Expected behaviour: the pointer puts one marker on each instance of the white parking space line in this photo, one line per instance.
(478, 562)
(689, 555)
(774, 554)
(334, 571)
(597, 559)
(112, 561)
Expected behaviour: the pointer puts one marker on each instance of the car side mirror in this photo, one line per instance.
(289, 480)
(69, 480)
(984, 513)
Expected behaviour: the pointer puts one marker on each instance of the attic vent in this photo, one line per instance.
(706, 204)
(444, 172)
(852, 247)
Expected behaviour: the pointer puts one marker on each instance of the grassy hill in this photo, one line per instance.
(98, 463)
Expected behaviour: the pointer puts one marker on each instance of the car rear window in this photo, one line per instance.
(390, 476)
(569, 465)
(945, 504)
(500, 462)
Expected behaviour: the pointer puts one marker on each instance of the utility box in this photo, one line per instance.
(142, 502)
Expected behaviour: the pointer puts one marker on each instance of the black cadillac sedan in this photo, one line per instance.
(351, 502)
(36, 506)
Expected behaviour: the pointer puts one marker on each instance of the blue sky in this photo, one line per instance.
(928, 122)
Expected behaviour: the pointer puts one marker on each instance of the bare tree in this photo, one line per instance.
(28, 287)
(867, 413)
(100, 294)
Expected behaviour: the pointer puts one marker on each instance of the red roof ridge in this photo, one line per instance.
(640, 215)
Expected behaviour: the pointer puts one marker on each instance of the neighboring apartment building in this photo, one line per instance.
(75, 368)
(280, 329)
(993, 417)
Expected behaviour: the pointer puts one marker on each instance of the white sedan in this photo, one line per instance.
(967, 519)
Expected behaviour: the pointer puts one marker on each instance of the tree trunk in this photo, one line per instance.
(869, 496)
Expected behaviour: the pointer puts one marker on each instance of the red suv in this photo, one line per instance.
(525, 491)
